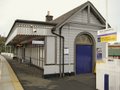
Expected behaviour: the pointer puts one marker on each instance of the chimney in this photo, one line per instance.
(49, 17)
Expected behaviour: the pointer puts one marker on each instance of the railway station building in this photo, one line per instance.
(64, 45)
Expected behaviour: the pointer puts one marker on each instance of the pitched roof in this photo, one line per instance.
(67, 15)
(35, 22)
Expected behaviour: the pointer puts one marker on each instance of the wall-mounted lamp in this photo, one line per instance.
(33, 29)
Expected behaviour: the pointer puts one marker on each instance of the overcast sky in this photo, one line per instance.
(10, 10)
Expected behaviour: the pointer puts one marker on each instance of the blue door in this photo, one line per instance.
(83, 59)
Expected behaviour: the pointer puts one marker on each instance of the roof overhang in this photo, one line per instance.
(23, 39)
(18, 37)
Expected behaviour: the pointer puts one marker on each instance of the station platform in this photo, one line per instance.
(31, 79)
(8, 79)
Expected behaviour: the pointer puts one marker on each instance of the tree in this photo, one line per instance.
(2, 43)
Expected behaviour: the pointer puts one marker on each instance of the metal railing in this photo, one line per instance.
(34, 61)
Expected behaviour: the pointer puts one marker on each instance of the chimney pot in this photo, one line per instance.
(49, 17)
(48, 13)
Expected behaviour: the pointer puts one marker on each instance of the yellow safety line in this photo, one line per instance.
(15, 81)
(99, 62)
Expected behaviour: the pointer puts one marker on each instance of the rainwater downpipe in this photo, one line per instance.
(61, 37)
(62, 52)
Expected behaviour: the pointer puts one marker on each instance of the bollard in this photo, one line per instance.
(106, 82)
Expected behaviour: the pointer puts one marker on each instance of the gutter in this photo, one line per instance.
(61, 37)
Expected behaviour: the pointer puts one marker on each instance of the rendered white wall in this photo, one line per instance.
(54, 69)
(112, 68)
(51, 69)
(50, 50)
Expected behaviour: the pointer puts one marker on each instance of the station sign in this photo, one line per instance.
(38, 42)
(107, 35)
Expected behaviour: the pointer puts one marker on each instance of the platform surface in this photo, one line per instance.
(8, 79)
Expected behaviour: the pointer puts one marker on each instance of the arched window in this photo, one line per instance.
(84, 39)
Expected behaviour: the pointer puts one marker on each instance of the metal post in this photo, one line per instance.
(5, 48)
(30, 61)
(106, 14)
(30, 54)
(39, 56)
(69, 47)
(10, 49)
(42, 55)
